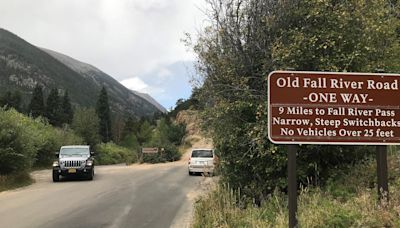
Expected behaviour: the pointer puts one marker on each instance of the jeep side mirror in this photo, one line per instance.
(91, 153)
(57, 153)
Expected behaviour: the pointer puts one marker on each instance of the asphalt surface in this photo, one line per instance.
(119, 196)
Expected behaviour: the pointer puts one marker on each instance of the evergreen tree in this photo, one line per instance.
(103, 112)
(131, 126)
(53, 108)
(11, 100)
(86, 124)
(144, 134)
(36, 107)
(68, 113)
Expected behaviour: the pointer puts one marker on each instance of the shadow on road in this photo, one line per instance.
(76, 178)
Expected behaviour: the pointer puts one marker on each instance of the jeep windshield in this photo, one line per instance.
(202, 154)
(68, 152)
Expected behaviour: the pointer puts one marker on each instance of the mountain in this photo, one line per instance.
(98, 76)
(150, 99)
(23, 66)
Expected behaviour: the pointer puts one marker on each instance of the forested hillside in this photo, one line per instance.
(23, 66)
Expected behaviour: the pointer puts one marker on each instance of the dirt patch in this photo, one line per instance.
(186, 215)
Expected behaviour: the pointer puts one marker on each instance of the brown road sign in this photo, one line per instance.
(151, 150)
(333, 108)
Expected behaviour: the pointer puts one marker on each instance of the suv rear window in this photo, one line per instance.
(202, 154)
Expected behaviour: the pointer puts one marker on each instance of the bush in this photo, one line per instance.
(248, 39)
(176, 132)
(161, 139)
(25, 142)
(355, 206)
(110, 153)
(50, 141)
(169, 154)
(130, 141)
(17, 147)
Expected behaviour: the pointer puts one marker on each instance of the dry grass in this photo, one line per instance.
(347, 201)
(15, 181)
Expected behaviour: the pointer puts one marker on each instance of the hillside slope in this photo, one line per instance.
(100, 78)
(150, 99)
(23, 65)
(194, 134)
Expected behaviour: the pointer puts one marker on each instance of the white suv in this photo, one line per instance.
(74, 161)
(201, 161)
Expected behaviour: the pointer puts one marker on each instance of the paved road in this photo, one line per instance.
(119, 196)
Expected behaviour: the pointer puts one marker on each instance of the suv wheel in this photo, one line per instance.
(56, 177)
(90, 175)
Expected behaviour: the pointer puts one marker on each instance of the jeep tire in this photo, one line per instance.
(90, 175)
(56, 177)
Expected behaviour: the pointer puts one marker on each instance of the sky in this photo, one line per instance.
(138, 42)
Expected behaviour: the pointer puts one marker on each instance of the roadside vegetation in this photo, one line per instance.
(27, 143)
(244, 41)
(29, 139)
(110, 153)
(349, 199)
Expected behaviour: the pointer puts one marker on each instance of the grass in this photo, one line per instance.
(348, 200)
(14, 181)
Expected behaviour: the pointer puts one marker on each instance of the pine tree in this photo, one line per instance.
(11, 100)
(36, 107)
(131, 126)
(103, 112)
(53, 108)
(86, 124)
(68, 113)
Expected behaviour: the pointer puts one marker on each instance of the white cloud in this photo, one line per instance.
(164, 73)
(155, 91)
(134, 84)
(137, 84)
(120, 37)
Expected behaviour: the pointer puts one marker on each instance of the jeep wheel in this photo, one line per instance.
(56, 177)
(90, 175)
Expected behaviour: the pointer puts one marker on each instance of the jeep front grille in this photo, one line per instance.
(73, 163)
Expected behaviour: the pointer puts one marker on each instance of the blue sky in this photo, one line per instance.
(166, 84)
(138, 42)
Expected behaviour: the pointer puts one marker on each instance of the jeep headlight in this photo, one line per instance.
(56, 163)
(89, 163)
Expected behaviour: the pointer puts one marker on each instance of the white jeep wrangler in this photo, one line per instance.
(74, 161)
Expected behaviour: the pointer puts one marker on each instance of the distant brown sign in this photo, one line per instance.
(151, 150)
(333, 108)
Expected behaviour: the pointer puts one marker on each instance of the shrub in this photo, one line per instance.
(130, 141)
(317, 207)
(248, 39)
(110, 153)
(25, 142)
(176, 132)
(17, 149)
(51, 139)
(169, 154)
(161, 139)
